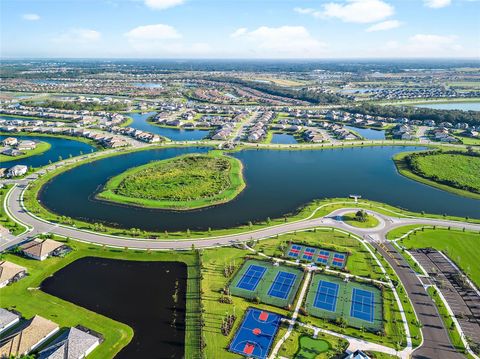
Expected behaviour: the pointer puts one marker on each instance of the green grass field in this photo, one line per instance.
(461, 247)
(25, 297)
(452, 172)
(359, 260)
(184, 182)
(370, 221)
(5, 220)
(38, 150)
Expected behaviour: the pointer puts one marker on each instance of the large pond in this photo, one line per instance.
(140, 122)
(368, 133)
(60, 147)
(278, 182)
(465, 106)
(139, 294)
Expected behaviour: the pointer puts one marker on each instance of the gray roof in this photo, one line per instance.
(7, 317)
(72, 344)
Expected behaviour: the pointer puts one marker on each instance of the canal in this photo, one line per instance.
(278, 183)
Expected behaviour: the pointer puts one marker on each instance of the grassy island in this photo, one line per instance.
(181, 183)
(452, 171)
(360, 219)
(40, 148)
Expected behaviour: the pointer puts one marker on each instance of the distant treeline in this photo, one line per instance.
(77, 106)
(417, 113)
(301, 94)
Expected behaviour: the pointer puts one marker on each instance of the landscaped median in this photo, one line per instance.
(180, 183)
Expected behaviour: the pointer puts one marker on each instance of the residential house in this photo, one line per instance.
(10, 141)
(10, 272)
(75, 343)
(7, 319)
(17, 170)
(41, 249)
(27, 339)
(26, 145)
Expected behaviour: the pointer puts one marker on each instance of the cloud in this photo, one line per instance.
(358, 11)
(31, 17)
(283, 41)
(153, 33)
(425, 45)
(239, 32)
(308, 11)
(163, 4)
(436, 4)
(385, 25)
(80, 36)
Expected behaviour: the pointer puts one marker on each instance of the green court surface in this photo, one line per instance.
(310, 348)
(360, 305)
(273, 284)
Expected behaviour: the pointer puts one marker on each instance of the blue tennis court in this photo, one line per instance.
(323, 256)
(256, 334)
(338, 260)
(308, 253)
(282, 284)
(362, 305)
(251, 277)
(326, 297)
(295, 250)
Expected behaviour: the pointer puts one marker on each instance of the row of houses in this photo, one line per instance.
(403, 132)
(258, 130)
(443, 134)
(13, 147)
(139, 135)
(100, 138)
(22, 337)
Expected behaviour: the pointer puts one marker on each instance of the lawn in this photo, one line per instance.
(301, 340)
(184, 182)
(5, 220)
(359, 260)
(25, 297)
(368, 222)
(455, 171)
(461, 247)
(40, 148)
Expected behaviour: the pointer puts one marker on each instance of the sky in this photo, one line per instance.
(254, 29)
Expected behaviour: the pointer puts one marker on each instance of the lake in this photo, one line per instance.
(465, 106)
(368, 133)
(59, 147)
(140, 122)
(139, 294)
(283, 138)
(278, 183)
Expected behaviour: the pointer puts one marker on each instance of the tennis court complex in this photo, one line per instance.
(317, 255)
(274, 285)
(255, 336)
(359, 304)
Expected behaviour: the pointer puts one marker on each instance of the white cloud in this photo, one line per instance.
(436, 4)
(283, 41)
(426, 45)
(80, 36)
(31, 17)
(308, 11)
(358, 11)
(239, 32)
(385, 25)
(163, 4)
(153, 33)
